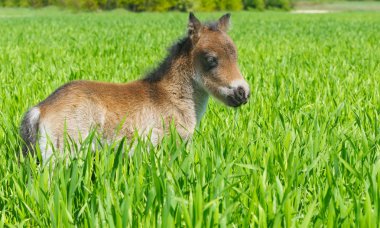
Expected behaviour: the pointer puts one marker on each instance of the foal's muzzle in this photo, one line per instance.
(239, 97)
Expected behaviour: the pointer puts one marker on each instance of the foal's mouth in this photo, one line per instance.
(235, 101)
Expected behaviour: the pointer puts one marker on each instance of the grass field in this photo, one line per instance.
(337, 6)
(304, 151)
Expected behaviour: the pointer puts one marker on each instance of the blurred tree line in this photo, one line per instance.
(153, 5)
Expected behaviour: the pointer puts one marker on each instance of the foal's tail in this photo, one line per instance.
(29, 129)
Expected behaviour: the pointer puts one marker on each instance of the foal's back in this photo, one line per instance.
(82, 106)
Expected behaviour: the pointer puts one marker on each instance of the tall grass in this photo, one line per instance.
(304, 151)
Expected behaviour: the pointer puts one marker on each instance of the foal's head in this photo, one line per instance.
(215, 61)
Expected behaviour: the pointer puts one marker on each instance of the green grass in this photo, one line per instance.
(304, 151)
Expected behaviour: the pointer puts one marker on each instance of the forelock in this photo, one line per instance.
(213, 26)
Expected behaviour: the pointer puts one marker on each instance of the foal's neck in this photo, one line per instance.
(183, 91)
(200, 100)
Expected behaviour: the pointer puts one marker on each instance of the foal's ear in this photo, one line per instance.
(224, 22)
(194, 27)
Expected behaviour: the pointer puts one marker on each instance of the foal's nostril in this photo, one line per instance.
(241, 92)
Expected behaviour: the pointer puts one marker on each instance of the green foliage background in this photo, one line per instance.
(153, 5)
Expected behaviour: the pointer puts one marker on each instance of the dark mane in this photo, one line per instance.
(182, 47)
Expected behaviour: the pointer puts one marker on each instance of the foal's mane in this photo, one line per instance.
(180, 48)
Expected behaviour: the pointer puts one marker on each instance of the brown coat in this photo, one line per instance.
(203, 63)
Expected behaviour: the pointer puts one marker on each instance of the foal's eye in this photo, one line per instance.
(211, 62)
